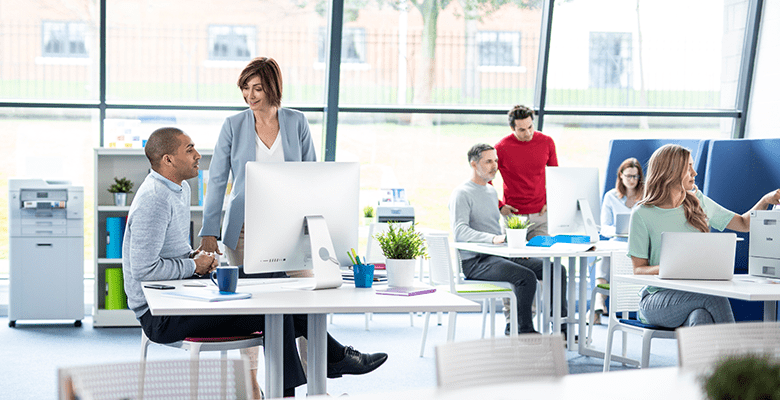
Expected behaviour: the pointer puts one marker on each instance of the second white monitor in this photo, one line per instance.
(565, 185)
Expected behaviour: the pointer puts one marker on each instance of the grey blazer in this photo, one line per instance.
(235, 147)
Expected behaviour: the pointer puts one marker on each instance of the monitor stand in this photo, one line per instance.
(591, 229)
(327, 274)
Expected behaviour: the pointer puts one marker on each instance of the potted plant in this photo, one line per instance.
(746, 377)
(516, 231)
(368, 215)
(120, 188)
(402, 246)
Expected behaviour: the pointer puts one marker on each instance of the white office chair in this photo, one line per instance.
(494, 361)
(197, 345)
(701, 347)
(624, 298)
(442, 276)
(157, 380)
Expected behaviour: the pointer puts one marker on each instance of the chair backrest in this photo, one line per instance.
(623, 297)
(374, 253)
(440, 261)
(702, 347)
(159, 380)
(500, 360)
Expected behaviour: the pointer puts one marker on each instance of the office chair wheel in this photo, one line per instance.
(77, 324)
(11, 324)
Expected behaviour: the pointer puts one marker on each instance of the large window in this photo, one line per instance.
(64, 39)
(353, 45)
(610, 60)
(499, 49)
(232, 43)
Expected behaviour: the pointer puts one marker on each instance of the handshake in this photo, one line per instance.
(205, 261)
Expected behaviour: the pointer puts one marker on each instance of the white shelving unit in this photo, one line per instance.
(131, 164)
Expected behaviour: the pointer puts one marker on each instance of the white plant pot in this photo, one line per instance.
(400, 272)
(515, 238)
(120, 199)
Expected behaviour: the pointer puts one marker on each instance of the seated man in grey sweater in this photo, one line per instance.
(156, 247)
(475, 217)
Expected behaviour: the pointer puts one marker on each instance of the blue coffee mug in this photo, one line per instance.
(226, 279)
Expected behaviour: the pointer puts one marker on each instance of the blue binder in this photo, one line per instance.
(115, 233)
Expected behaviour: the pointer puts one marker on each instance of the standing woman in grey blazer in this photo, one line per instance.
(264, 132)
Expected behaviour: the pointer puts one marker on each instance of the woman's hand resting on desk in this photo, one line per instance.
(209, 244)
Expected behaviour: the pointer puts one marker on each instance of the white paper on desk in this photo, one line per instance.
(207, 295)
(573, 246)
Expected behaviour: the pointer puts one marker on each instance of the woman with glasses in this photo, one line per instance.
(620, 200)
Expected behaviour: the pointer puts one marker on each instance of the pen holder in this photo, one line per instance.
(364, 275)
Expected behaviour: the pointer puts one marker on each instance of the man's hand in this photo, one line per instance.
(499, 239)
(544, 210)
(507, 209)
(205, 262)
(209, 245)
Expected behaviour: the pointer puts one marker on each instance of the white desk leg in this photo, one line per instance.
(582, 311)
(274, 356)
(556, 311)
(770, 311)
(317, 353)
(570, 300)
(546, 288)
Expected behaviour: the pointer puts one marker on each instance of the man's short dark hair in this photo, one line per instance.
(161, 142)
(475, 153)
(519, 112)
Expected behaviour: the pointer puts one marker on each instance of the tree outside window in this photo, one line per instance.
(64, 39)
(499, 49)
(231, 43)
(610, 60)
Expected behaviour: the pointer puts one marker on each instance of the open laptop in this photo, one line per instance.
(697, 255)
(622, 224)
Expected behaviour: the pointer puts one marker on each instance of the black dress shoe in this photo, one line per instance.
(355, 363)
(507, 330)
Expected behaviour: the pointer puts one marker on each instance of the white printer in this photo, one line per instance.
(46, 241)
(764, 250)
(394, 207)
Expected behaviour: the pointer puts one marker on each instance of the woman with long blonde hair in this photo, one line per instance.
(673, 203)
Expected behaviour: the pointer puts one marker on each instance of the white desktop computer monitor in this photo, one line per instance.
(573, 201)
(301, 215)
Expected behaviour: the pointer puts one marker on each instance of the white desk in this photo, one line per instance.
(742, 287)
(555, 253)
(274, 300)
(638, 384)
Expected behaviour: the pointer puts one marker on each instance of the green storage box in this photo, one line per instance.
(115, 289)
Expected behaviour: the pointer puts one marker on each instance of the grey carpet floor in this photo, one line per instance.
(31, 353)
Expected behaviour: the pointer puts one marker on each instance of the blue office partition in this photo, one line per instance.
(739, 172)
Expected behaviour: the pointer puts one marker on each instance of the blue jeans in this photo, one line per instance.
(520, 272)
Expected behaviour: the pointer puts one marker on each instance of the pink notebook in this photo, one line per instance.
(405, 291)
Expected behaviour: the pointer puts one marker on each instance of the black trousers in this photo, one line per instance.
(169, 329)
(520, 272)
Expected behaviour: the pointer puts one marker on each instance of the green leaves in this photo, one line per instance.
(749, 377)
(515, 222)
(121, 185)
(401, 243)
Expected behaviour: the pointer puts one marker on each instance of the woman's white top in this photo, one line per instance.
(610, 206)
(266, 154)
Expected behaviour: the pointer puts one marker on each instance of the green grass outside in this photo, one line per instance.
(355, 94)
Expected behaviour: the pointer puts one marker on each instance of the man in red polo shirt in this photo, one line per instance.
(522, 157)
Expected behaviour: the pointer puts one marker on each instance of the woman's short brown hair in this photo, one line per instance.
(270, 76)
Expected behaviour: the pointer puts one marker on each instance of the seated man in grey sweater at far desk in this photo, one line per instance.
(156, 247)
(475, 217)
